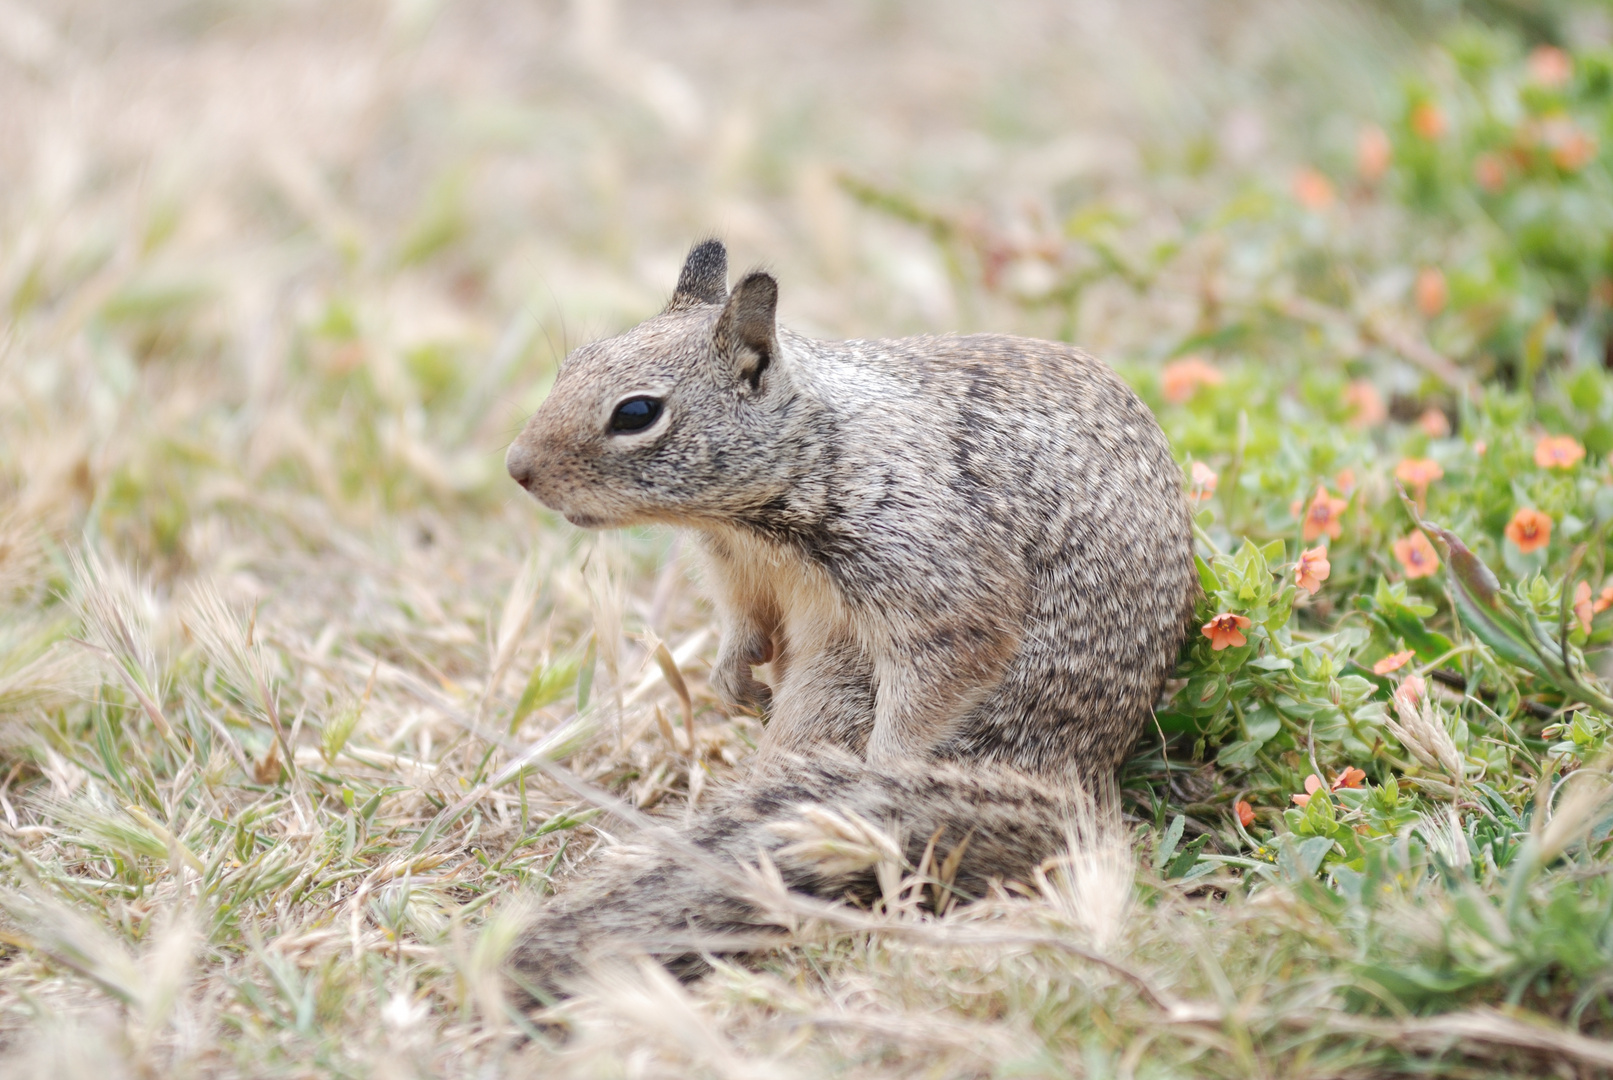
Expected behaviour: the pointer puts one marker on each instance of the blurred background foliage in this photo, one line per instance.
(282, 279)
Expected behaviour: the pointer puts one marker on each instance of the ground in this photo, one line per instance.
(288, 665)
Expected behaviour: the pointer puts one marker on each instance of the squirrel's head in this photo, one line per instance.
(678, 419)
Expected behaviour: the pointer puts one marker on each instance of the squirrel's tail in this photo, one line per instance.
(827, 824)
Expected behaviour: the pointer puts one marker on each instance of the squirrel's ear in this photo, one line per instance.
(745, 335)
(705, 277)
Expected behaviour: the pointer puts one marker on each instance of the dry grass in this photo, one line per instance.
(284, 658)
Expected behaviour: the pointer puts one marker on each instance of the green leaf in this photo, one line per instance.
(1429, 645)
(1319, 813)
(1168, 842)
(1184, 860)
(1239, 754)
(1301, 859)
(1602, 504)
(1253, 577)
(1175, 721)
(1394, 598)
(546, 685)
(1262, 723)
(585, 674)
(1203, 694)
(1414, 983)
(1303, 710)
(1271, 663)
(1498, 630)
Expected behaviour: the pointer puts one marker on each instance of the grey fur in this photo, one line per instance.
(965, 550)
(704, 279)
(665, 904)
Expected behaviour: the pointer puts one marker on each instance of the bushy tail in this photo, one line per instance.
(828, 824)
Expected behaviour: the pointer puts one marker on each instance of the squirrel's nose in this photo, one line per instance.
(520, 467)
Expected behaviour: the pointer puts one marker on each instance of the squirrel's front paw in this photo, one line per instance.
(735, 685)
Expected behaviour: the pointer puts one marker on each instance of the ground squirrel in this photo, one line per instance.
(962, 566)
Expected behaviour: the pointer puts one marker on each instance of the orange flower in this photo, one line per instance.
(1366, 404)
(1418, 472)
(1312, 190)
(1434, 423)
(1349, 778)
(1392, 662)
(1313, 784)
(1480, 446)
(1571, 148)
(1323, 516)
(1372, 153)
(1550, 66)
(1345, 479)
(1430, 291)
(1558, 452)
(1181, 380)
(1312, 569)
(1586, 608)
(1204, 480)
(1246, 813)
(1428, 121)
(1226, 629)
(1411, 690)
(1417, 555)
(1529, 529)
(1576, 151)
(1490, 173)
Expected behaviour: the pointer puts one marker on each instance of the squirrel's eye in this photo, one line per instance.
(635, 414)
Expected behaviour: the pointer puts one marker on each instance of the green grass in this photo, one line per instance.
(303, 707)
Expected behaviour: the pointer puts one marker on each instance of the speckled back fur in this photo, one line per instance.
(962, 549)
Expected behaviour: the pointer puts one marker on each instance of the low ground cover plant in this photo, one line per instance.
(1394, 416)
(302, 706)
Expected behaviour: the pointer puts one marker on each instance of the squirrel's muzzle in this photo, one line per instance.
(525, 469)
(545, 477)
(519, 464)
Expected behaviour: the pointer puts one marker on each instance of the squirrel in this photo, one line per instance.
(962, 565)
